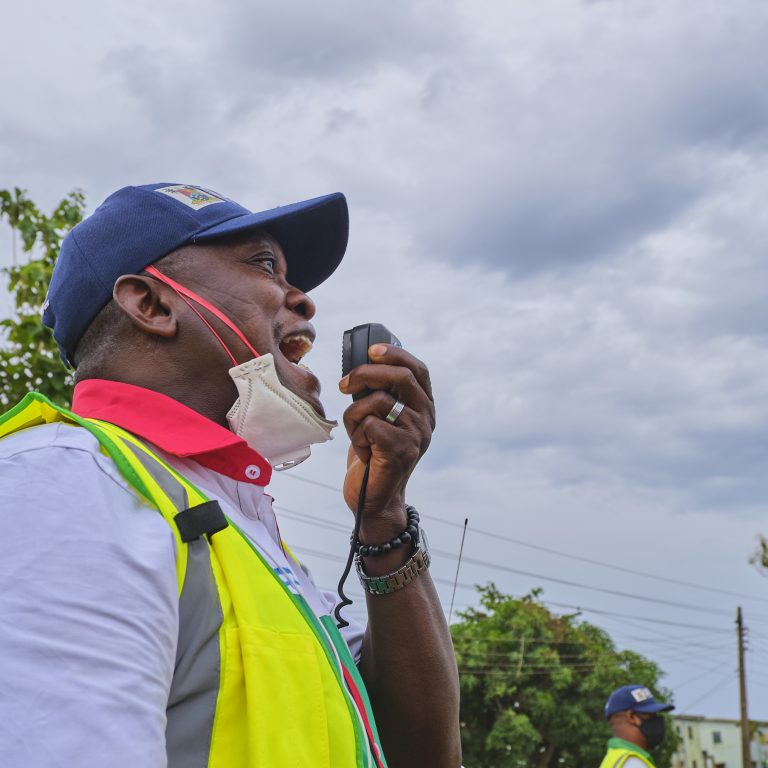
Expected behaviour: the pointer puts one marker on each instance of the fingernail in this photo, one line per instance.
(344, 383)
(378, 350)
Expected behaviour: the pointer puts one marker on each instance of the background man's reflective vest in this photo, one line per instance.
(260, 681)
(620, 751)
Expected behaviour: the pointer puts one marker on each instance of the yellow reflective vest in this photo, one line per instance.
(260, 681)
(619, 751)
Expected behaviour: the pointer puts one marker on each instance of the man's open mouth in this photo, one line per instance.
(295, 346)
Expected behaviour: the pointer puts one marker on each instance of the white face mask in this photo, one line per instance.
(272, 419)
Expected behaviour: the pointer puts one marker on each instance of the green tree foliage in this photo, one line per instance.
(533, 685)
(760, 556)
(29, 358)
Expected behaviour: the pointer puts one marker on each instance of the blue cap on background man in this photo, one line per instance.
(136, 226)
(636, 698)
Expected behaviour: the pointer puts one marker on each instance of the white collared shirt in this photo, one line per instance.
(89, 604)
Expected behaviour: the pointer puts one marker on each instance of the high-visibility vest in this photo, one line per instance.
(260, 681)
(617, 756)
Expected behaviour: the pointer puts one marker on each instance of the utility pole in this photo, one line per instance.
(746, 757)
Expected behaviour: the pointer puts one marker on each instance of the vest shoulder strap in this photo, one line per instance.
(617, 758)
(187, 510)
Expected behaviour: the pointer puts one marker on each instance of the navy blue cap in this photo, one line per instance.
(635, 697)
(137, 226)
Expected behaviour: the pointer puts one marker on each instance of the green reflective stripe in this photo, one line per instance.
(616, 743)
(146, 457)
(364, 756)
(22, 404)
(618, 754)
(104, 440)
(343, 650)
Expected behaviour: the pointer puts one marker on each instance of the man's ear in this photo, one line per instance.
(617, 717)
(148, 303)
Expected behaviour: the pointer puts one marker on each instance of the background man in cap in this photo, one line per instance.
(151, 613)
(637, 727)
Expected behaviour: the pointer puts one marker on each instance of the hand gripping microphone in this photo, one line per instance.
(354, 352)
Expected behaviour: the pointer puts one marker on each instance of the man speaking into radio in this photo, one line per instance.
(151, 613)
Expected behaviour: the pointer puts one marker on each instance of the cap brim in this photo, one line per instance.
(313, 235)
(652, 708)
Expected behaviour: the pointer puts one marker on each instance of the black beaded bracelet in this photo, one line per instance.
(411, 533)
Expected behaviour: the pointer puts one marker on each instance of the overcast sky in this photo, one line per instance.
(560, 206)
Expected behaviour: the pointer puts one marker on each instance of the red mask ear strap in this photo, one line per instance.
(187, 294)
(210, 328)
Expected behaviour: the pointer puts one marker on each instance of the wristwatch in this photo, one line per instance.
(402, 577)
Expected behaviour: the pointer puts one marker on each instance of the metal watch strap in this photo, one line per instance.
(402, 577)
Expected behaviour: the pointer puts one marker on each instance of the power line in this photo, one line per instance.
(486, 671)
(560, 659)
(572, 660)
(557, 552)
(720, 684)
(302, 517)
(513, 639)
(578, 608)
(666, 646)
(664, 636)
(697, 677)
(604, 590)
(599, 612)
(664, 641)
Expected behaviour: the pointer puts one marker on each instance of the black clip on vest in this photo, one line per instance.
(206, 518)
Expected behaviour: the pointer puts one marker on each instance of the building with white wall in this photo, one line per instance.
(710, 743)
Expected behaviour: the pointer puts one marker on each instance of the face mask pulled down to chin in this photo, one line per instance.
(270, 418)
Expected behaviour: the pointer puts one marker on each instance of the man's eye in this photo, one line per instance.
(267, 262)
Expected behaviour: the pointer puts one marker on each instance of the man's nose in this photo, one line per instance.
(299, 302)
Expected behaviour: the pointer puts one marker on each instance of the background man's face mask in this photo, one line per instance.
(267, 415)
(653, 729)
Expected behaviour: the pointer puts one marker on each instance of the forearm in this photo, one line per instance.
(410, 672)
(407, 660)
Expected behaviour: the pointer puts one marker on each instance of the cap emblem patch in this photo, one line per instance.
(192, 197)
(641, 694)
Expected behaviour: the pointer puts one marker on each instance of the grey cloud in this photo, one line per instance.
(561, 157)
(645, 371)
(341, 119)
(339, 38)
(587, 152)
(554, 221)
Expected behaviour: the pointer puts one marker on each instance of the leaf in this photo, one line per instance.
(29, 358)
(533, 685)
